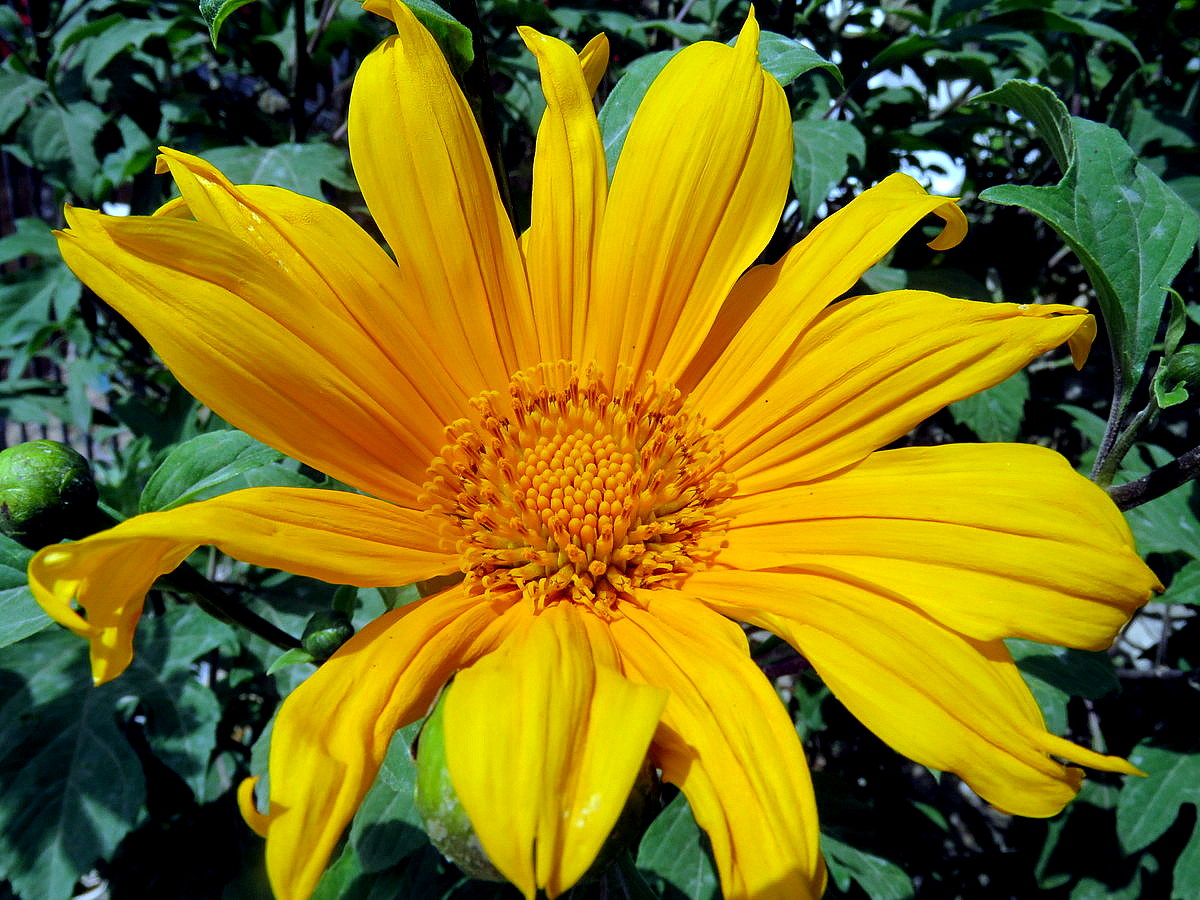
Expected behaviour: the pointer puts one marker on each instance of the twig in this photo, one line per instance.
(219, 604)
(1161, 481)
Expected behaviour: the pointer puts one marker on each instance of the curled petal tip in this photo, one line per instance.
(258, 822)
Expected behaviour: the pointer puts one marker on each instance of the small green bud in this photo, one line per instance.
(47, 493)
(1174, 381)
(1184, 367)
(327, 630)
(445, 820)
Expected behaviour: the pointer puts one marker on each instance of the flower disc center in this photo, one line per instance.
(572, 489)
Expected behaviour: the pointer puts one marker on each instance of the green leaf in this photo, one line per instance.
(20, 615)
(1077, 673)
(1130, 231)
(297, 656)
(786, 59)
(1185, 586)
(387, 827)
(63, 139)
(215, 12)
(673, 849)
(452, 36)
(1149, 806)
(820, 159)
(881, 879)
(71, 786)
(181, 714)
(30, 237)
(995, 414)
(297, 167)
(216, 463)
(622, 104)
(1166, 524)
(19, 91)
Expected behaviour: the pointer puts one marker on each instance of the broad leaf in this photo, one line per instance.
(20, 615)
(622, 104)
(881, 879)
(1130, 231)
(217, 463)
(787, 59)
(70, 784)
(673, 850)
(820, 158)
(995, 414)
(297, 167)
(387, 826)
(452, 36)
(215, 12)
(1149, 806)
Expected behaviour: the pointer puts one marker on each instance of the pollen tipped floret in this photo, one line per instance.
(569, 489)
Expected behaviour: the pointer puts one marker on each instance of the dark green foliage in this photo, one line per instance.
(1069, 127)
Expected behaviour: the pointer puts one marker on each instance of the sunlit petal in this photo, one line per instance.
(950, 702)
(871, 368)
(250, 341)
(727, 742)
(427, 180)
(332, 732)
(332, 535)
(696, 194)
(547, 730)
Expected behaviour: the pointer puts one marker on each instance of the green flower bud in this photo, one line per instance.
(46, 493)
(327, 630)
(1184, 368)
(445, 820)
(452, 833)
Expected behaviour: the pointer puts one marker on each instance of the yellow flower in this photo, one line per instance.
(626, 441)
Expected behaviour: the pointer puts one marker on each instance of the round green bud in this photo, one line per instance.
(445, 820)
(47, 493)
(326, 630)
(451, 831)
(1184, 368)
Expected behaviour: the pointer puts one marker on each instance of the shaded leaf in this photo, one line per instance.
(387, 827)
(70, 784)
(297, 167)
(20, 615)
(622, 104)
(215, 12)
(787, 59)
(673, 849)
(452, 36)
(217, 463)
(881, 879)
(820, 159)
(1149, 806)
(995, 414)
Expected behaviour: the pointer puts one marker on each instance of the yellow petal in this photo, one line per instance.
(251, 342)
(427, 180)
(696, 194)
(993, 540)
(729, 745)
(332, 733)
(570, 182)
(358, 281)
(544, 740)
(870, 368)
(594, 60)
(761, 335)
(944, 700)
(338, 537)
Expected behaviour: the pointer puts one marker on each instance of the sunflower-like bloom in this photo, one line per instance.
(623, 440)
